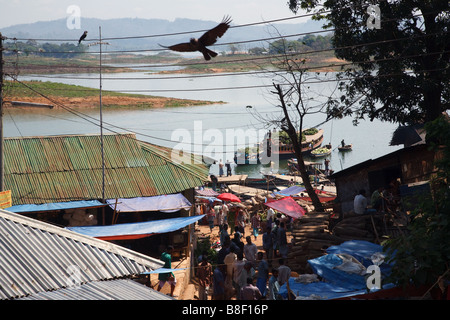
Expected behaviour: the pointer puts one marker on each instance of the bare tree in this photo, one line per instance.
(294, 98)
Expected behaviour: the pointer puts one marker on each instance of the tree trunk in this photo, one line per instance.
(292, 133)
(309, 189)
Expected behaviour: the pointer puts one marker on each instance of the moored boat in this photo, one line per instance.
(320, 152)
(313, 139)
(347, 147)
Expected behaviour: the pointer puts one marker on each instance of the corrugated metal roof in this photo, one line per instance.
(69, 167)
(36, 257)
(120, 289)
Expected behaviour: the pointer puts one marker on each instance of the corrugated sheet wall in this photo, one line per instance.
(67, 168)
(36, 257)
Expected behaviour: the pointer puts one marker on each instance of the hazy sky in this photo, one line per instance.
(242, 11)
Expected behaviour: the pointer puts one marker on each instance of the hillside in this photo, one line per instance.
(126, 27)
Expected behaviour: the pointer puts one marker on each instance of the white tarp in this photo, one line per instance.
(165, 203)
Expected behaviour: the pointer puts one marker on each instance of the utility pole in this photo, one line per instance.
(101, 119)
(2, 166)
(101, 112)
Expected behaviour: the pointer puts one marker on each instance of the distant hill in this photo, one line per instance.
(126, 27)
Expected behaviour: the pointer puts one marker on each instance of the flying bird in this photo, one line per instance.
(207, 39)
(83, 36)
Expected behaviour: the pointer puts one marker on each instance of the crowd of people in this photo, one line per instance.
(242, 271)
(383, 199)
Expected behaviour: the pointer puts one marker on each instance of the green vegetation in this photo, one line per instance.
(31, 89)
(33, 58)
(422, 256)
(320, 150)
(50, 50)
(15, 89)
(284, 138)
(306, 44)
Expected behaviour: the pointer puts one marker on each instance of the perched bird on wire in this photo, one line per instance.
(83, 36)
(207, 39)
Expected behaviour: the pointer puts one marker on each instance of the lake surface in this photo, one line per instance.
(211, 128)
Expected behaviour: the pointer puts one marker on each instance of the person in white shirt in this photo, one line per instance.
(284, 272)
(238, 266)
(360, 204)
(225, 213)
(270, 216)
(250, 251)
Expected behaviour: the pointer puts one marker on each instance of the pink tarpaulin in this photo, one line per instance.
(288, 206)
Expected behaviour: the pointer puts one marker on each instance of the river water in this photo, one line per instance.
(209, 129)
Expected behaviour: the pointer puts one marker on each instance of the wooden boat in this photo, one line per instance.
(320, 152)
(286, 151)
(347, 147)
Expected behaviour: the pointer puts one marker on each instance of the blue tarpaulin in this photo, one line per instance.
(55, 206)
(337, 283)
(165, 203)
(135, 230)
(163, 270)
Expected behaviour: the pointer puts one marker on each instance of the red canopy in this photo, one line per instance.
(228, 197)
(288, 206)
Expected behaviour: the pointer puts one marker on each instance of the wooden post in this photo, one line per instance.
(2, 166)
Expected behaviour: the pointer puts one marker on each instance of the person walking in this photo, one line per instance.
(168, 277)
(204, 278)
(211, 216)
(284, 272)
(282, 240)
(250, 292)
(250, 250)
(263, 274)
(219, 283)
(238, 266)
(274, 285)
(228, 165)
(256, 223)
(229, 260)
(267, 242)
(220, 168)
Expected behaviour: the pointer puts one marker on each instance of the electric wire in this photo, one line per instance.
(246, 87)
(219, 44)
(94, 121)
(163, 34)
(97, 123)
(256, 72)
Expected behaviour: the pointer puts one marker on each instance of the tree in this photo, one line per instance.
(294, 99)
(400, 72)
(423, 255)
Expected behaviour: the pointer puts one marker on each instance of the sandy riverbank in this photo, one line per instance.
(111, 101)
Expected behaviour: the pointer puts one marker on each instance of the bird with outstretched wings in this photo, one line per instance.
(207, 39)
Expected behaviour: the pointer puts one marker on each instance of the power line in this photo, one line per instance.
(220, 44)
(163, 34)
(259, 86)
(213, 75)
(93, 120)
(258, 58)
